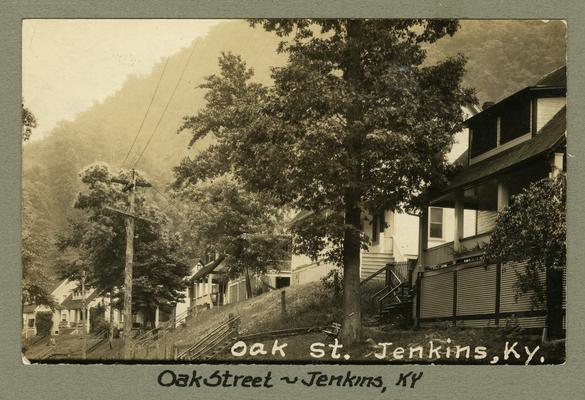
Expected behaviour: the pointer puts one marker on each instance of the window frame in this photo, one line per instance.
(442, 237)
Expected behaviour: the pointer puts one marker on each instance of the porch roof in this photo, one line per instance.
(548, 138)
(29, 308)
(207, 269)
(77, 304)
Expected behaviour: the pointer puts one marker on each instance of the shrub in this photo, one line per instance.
(44, 323)
(334, 281)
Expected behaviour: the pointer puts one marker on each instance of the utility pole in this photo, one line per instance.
(130, 215)
(84, 317)
(129, 223)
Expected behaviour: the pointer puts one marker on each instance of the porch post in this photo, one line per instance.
(503, 195)
(459, 212)
(423, 240)
(196, 290)
(557, 164)
(209, 290)
(156, 317)
(87, 319)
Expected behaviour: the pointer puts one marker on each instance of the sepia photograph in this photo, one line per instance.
(293, 191)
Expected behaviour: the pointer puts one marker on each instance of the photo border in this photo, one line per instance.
(140, 381)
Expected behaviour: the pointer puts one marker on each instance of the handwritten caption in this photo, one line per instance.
(227, 379)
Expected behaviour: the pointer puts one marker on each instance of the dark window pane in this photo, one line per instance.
(436, 231)
(483, 135)
(382, 222)
(437, 215)
(515, 121)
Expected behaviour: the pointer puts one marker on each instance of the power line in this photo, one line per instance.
(170, 205)
(147, 110)
(167, 105)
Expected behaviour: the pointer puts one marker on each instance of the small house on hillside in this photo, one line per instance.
(67, 312)
(512, 143)
(210, 285)
(392, 236)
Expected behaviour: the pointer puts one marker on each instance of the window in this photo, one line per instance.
(436, 223)
(484, 135)
(515, 121)
(378, 225)
(31, 322)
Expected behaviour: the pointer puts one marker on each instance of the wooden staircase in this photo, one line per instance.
(214, 342)
(397, 301)
(394, 300)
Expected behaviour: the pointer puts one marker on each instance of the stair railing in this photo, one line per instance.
(213, 338)
(378, 272)
(393, 283)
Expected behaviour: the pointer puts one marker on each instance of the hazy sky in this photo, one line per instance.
(67, 65)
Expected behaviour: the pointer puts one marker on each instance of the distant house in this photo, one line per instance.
(67, 312)
(512, 143)
(210, 286)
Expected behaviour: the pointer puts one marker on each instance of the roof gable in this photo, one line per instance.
(547, 139)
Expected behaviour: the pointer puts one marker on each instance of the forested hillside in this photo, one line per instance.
(499, 62)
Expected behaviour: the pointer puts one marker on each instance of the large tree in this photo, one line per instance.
(220, 217)
(533, 229)
(355, 122)
(96, 242)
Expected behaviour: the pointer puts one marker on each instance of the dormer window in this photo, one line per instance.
(500, 127)
(484, 135)
(515, 121)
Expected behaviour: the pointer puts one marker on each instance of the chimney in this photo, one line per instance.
(487, 105)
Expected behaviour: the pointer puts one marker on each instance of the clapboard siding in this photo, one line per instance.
(510, 299)
(476, 290)
(529, 322)
(311, 273)
(477, 323)
(437, 296)
(486, 221)
(547, 108)
(372, 262)
(476, 294)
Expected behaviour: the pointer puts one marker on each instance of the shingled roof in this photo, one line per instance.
(546, 139)
(558, 77)
(207, 269)
(77, 304)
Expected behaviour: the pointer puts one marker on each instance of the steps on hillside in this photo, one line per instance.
(220, 348)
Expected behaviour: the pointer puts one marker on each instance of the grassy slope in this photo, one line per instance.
(312, 305)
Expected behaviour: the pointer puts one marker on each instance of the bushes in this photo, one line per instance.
(44, 323)
(334, 281)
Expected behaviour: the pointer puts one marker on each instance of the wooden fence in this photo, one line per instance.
(478, 296)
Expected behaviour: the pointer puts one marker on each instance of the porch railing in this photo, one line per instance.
(445, 253)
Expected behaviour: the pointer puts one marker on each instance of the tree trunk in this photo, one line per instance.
(353, 75)
(248, 283)
(352, 326)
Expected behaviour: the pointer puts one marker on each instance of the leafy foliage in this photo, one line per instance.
(97, 243)
(275, 138)
(533, 229)
(354, 123)
(514, 54)
(220, 217)
(43, 322)
(29, 122)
